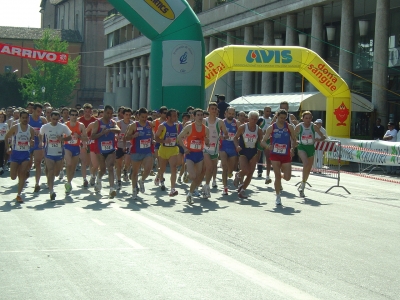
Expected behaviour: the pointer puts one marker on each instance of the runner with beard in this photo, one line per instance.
(123, 150)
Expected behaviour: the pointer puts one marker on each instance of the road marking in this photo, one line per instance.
(129, 241)
(98, 222)
(235, 266)
(69, 250)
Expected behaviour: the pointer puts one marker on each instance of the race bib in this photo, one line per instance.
(195, 145)
(250, 139)
(36, 130)
(121, 137)
(23, 146)
(53, 143)
(172, 143)
(231, 136)
(106, 145)
(145, 143)
(212, 147)
(307, 139)
(279, 149)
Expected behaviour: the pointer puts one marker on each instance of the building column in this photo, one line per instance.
(135, 84)
(206, 45)
(108, 79)
(381, 56)
(267, 86)
(115, 81)
(248, 77)
(230, 89)
(317, 33)
(289, 78)
(148, 83)
(346, 41)
(143, 82)
(128, 79)
(121, 75)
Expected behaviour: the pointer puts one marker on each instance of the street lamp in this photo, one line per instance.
(43, 91)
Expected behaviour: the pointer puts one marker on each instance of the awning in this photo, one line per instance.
(313, 101)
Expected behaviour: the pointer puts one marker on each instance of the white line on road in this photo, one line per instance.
(98, 222)
(129, 241)
(223, 260)
(68, 250)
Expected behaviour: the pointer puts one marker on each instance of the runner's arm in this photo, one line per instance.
(239, 132)
(321, 134)
(266, 137)
(95, 128)
(184, 133)
(158, 133)
(130, 132)
(83, 137)
(8, 135)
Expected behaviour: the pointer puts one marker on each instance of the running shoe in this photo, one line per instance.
(126, 178)
(142, 189)
(19, 199)
(156, 181)
(302, 195)
(179, 179)
(301, 186)
(240, 187)
(37, 188)
(242, 195)
(134, 193)
(113, 193)
(162, 185)
(268, 180)
(225, 191)
(206, 191)
(68, 188)
(278, 200)
(236, 180)
(259, 174)
(119, 185)
(97, 187)
(173, 193)
(214, 184)
(52, 196)
(189, 199)
(85, 183)
(137, 188)
(61, 176)
(196, 193)
(92, 180)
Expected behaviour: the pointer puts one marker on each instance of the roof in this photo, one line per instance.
(313, 101)
(26, 33)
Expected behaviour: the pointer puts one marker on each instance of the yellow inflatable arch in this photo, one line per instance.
(288, 59)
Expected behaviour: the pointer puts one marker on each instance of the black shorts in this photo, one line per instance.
(120, 153)
(107, 154)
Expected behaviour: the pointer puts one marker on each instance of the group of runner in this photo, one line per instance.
(131, 142)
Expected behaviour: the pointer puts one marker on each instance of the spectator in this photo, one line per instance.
(390, 136)
(378, 130)
(222, 106)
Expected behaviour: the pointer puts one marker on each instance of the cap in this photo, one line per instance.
(318, 121)
(391, 123)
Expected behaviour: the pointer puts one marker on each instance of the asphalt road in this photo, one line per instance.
(86, 246)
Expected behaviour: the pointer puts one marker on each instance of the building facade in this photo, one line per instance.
(87, 18)
(360, 39)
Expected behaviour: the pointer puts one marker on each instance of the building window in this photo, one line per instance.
(76, 21)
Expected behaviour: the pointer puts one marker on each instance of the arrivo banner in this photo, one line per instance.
(43, 55)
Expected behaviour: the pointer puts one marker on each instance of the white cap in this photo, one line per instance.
(318, 121)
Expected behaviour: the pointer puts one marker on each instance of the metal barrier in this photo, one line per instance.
(327, 161)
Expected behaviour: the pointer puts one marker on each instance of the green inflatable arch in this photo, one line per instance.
(177, 50)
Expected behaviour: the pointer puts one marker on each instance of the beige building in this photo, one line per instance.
(87, 18)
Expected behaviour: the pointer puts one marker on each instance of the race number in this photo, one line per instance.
(106, 145)
(145, 143)
(195, 145)
(279, 149)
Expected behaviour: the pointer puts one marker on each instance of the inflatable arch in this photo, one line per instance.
(288, 59)
(177, 50)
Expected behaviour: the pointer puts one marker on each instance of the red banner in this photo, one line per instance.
(44, 55)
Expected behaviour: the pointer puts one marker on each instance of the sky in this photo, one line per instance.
(20, 13)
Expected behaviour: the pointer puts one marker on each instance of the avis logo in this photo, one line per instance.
(266, 56)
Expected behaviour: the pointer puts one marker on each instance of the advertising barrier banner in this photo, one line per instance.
(43, 55)
(374, 152)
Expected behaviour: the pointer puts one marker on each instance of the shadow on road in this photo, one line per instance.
(285, 210)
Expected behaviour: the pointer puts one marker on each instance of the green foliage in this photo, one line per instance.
(58, 80)
(10, 87)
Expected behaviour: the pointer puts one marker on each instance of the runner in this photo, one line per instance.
(141, 134)
(123, 147)
(246, 139)
(3, 131)
(22, 139)
(185, 120)
(103, 133)
(64, 115)
(84, 156)
(228, 154)
(264, 122)
(47, 113)
(306, 131)
(168, 153)
(72, 147)
(290, 118)
(36, 121)
(282, 143)
(156, 123)
(196, 135)
(215, 126)
(56, 134)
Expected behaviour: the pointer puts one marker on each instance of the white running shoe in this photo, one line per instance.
(61, 176)
(98, 186)
(278, 200)
(134, 193)
(141, 184)
(189, 199)
(236, 180)
(206, 191)
(119, 185)
(92, 180)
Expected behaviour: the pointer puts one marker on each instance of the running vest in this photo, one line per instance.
(170, 132)
(232, 129)
(74, 141)
(142, 144)
(280, 139)
(214, 132)
(21, 141)
(53, 146)
(106, 143)
(249, 138)
(3, 130)
(36, 125)
(121, 135)
(265, 124)
(306, 135)
(195, 141)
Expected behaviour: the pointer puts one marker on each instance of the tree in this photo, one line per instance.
(10, 90)
(51, 82)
